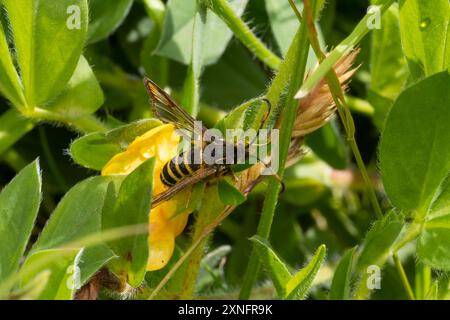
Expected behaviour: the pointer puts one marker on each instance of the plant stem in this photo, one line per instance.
(346, 46)
(343, 110)
(403, 277)
(243, 32)
(191, 90)
(296, 76)
(85, 123)
(422, 281)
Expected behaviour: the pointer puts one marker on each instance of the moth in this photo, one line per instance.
(181, 172)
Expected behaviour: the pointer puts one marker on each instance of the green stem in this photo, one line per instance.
(14, 159)
(346, 46)
(13, 126)
(422, 283)
(297, 70)
(85, 124)
(191, 90)
(243, 32)
(403, 277)
(343, 110)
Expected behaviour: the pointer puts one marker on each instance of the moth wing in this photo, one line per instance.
(166, 109)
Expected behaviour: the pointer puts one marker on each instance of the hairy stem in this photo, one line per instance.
(343, 110)
(296, 75)
(84, 124)
(243, 32)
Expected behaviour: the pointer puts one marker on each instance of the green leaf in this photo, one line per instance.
(82, 94)
(433, 246)
(13, 126)
(10, 85)
(284, 24)
(387, 59)
(63, 280)
(78, 214)
(341, 283)
(94, 150)
(328, 145)
(132, 207)
(47, 49)
(424, 27)
(106, 17)
(301, 282)
(229, 195)
(19, 204)
(176, 38)
(90, 260)
(278, 271)
(415, 144)
(375, 249)
(33, 289)
(191, 88)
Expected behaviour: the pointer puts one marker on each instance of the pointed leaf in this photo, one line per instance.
(49, 37)
(229, 195)
(105, 17)
(90, 260)
(277, 270)
(63, 280)
(10, 86)
(78, 214)
(19, 205)
(299, 285)
(132, 207)
(82, 94)
(375, 249)
(176, 38)
(341, 284)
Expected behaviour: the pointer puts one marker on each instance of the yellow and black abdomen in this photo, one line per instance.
(180, 167)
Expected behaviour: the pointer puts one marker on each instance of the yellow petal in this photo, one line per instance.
(160, 142)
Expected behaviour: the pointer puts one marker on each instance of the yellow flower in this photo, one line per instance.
(160, 142)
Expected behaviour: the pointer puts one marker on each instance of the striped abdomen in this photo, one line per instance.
(180, 167)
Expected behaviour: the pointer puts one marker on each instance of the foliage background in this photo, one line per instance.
(325, 201)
